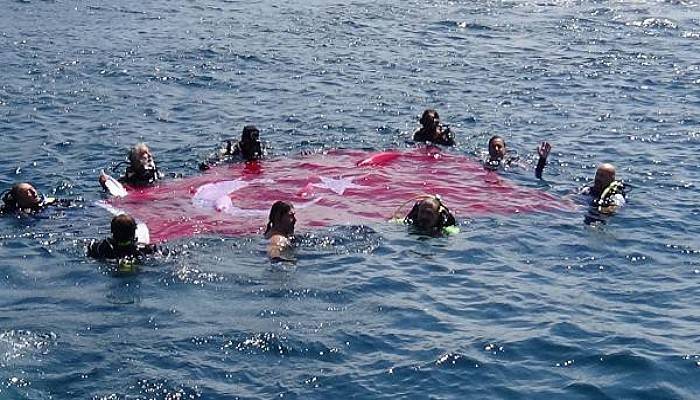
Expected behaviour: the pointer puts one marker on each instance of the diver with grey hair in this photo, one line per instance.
(141, 171)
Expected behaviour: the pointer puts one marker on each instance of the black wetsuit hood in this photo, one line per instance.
(140, 176)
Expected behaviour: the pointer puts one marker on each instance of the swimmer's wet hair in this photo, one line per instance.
(123, 228)
(276, 212)
(9, 198)
(494, 137)
(426, 116)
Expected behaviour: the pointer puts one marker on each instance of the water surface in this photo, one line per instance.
(524, 306)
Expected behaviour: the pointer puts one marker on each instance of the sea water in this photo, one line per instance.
(530, 305)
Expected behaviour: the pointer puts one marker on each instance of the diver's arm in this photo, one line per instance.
(613, 204)
(56, 202)
(93, 249)
(233, 149)
(543, 151)
(221, 154)
(90, 250)
(418, 135)
(148, 249)
(608, 210)
(103, 180)
(108, 182)
(111, 185)
(211, 160)
(448, 138)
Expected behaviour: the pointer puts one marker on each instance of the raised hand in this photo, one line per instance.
(544, 149)
(102, 179)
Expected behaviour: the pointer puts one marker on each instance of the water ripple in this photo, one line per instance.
(520, 306)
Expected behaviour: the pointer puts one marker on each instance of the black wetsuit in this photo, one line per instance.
(44, 204)
(506, 162)
(109, 249)
(495, 164)
(234, 152)
(140, 177)
(445, 138)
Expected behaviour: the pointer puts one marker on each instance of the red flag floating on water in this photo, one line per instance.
(335, 188)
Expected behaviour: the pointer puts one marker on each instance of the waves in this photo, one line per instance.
(524, 306)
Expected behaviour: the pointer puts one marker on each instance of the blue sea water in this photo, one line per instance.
(525, 306)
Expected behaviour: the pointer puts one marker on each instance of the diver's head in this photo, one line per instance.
(497, 148)
(282, 219)
(141, 159)
(22, 196)
(123, 228)
(427, 214)
(430, 119)
(251, 149)
(604, 176)
(430, 214)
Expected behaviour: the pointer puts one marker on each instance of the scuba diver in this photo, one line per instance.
(432, 130)
(607, 194)
(280, 230)
(248, 148)
(141, 171)
(430, 215)
(499, 157)
(24, 198)
(125, 245)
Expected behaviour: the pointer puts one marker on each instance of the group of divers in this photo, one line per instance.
(428, 215)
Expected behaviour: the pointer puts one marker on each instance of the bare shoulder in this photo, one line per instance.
(279, 240)
(278, 245)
